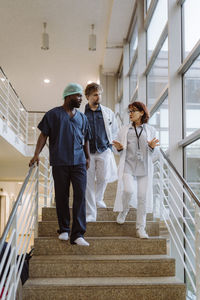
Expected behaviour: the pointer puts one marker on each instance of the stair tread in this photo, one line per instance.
(99, 222)
(154, 238)
(105, 281)
(61, 258)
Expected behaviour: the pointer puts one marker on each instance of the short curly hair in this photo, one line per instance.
(141, 107)
(93, 87)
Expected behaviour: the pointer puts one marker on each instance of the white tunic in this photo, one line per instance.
(122, 138)
(111, 127)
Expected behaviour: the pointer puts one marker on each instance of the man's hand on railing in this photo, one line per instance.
(33, 160)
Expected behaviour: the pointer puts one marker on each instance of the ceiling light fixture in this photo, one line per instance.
(47, 80)
(2, 79)
(45, 38)
(92, 40)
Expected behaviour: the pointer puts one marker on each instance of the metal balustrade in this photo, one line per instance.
(179, 207)
(13, 113)
(20, 228)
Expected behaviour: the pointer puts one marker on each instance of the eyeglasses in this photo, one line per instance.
(132, 111)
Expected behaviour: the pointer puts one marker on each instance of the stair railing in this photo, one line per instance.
(179, 207)
(17, 235)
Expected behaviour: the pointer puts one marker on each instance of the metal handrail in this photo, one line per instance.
(15, 207)
(184, 182)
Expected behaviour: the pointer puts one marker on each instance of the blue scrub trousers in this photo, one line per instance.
(77, 175)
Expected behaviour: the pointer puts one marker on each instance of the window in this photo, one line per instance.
(156, 26)
(160, 121)
(192, 97)
(191, 25)
(157, 78)
(133, 43)
(133, 79)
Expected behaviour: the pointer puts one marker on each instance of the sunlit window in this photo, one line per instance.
(192, 97)
(157, 78)
(160, 121)
(156, 26)
(133, 78)
(191, 25)
(133, 43)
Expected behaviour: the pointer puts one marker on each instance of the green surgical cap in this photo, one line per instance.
(71, 89)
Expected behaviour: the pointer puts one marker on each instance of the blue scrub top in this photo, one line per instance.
(99, 141)
(66, 136)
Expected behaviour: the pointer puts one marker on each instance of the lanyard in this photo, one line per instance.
(138, 135)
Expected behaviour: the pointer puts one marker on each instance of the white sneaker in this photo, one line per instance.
(101, 204)
(90, 219)
(122, 216)
(81, 242)
(63, 236)
(141, 233)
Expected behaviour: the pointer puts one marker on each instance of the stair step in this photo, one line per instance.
(97, 229)
(101, 266)
(163, 288)
(103, 214)
(101, 246)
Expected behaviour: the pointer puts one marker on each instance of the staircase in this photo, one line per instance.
(115, 266)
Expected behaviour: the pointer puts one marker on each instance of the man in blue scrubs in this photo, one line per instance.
(69, 132)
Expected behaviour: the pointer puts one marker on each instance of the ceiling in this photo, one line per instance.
(68, 59)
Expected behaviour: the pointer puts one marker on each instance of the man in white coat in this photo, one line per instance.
(103, 168)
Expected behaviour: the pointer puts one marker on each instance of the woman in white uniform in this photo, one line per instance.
(135, 143)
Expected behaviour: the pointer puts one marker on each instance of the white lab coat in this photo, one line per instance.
(122, 138)
(111, 128)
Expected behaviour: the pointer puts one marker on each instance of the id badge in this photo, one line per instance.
(139, 155)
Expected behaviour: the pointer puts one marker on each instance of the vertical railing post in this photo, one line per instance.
(45, 181)
(13, 284)
(8, 101)
(161, 185)
(51, 187)
(18, 117)
(197, 249)
(36, 203)
(35, 129)
(26, 114)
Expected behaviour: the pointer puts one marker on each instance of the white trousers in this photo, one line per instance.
(130, 182)
(97, 179)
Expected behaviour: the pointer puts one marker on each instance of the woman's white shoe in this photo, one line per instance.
(122, 216)
(141, 233)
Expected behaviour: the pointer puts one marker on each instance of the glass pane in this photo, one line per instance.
(160, 121)
(158, 76)
(192, 166)
(192, 97)
(156, 26)
(191, 24)
(148, 3)
(120, 84)
(133, 43)
(133, 79)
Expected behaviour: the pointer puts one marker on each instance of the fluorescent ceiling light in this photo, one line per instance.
(46, 80)
(3, 79)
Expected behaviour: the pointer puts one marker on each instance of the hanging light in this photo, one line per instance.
(92, 40)
(45, 38)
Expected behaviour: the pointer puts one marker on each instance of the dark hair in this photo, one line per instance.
(141, 107)
(92, 87)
